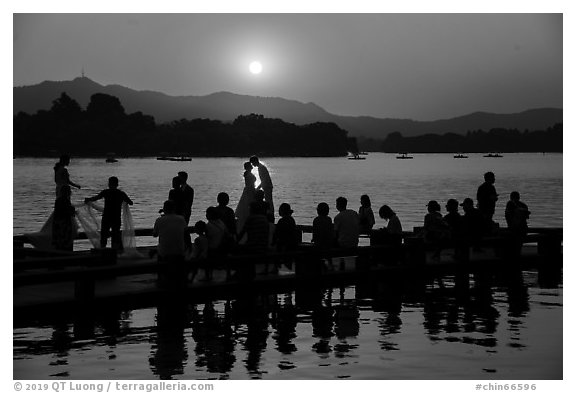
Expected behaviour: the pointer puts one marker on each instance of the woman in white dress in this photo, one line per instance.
(61, 175)
(243, 208)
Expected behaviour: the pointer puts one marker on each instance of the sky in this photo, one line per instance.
(417, 66)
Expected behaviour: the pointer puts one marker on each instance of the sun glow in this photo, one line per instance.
(255, 67)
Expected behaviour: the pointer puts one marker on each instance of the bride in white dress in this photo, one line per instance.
(243, 208)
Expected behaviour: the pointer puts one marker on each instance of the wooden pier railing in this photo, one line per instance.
(85, 268)
(20, 240)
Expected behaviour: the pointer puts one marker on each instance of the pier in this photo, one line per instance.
(50, 281)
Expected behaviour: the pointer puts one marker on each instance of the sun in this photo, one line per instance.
(255, 67)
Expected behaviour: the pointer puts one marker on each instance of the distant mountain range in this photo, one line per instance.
(227, 106)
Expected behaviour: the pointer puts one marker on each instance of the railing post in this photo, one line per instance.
(550, 245)
(108, 256)
(461, 252)
(308, 267)
(364, 262)
(415, 251)
(84, 289)
(19, 252)
(245, 270)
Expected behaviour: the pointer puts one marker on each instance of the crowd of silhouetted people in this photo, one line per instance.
(253, 229)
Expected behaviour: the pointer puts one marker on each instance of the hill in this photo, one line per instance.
(104, 126)
(226, 107)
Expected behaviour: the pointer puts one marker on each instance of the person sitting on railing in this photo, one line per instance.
(517, 214)
(392, 233)
(366, 215)
(226, 213)
(436, 230)
(455, 224)
(199, 247)
(323, 228)
(453, 219)
(472, 223)
(346, 225)
(219, 239)
(256, 229)
(287, 236)
(170, 229)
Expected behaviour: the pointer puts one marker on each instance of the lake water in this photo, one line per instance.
(502, 329)
(405, 185)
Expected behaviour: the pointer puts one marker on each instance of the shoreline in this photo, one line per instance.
(282, 156)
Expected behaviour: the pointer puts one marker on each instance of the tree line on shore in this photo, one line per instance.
(104, 126)
(479, 141)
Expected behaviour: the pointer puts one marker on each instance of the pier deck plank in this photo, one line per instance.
(145, 285)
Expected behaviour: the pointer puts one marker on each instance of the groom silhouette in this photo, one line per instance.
(265, 181)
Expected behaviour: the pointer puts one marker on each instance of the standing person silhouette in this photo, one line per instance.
(63, 228)
(243, 208)
(112, 215)
(61, 175)
(366, 215)
(177, 196)
(265, 181)
(187, 195)
(517, 214)
(187, 200)
(170, 229)
(487, 197)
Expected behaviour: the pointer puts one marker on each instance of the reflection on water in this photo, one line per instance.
(496, 327)
(169, 352)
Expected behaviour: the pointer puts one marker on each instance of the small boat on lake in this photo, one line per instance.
(110, 158)
(403, 156)
(460, 155)
(355, 155)
(493, 155)
(178, 157)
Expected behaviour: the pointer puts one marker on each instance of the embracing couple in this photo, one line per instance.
(249, 193)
